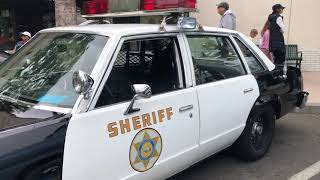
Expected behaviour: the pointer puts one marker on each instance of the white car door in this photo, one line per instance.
(158, 138)
(226, 92)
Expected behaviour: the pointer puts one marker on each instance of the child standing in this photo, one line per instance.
(253, 34)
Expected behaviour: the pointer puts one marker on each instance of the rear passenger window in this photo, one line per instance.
(253, 63)
(214, 59)
(155, 62)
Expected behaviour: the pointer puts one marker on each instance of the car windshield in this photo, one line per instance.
(41, 72)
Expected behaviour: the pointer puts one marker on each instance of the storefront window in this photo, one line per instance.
(6, 29)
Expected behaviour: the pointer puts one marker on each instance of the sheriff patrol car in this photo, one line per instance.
(137, 101)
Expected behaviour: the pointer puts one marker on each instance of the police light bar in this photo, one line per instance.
(148, 5)
(98, 7)
(95, 7)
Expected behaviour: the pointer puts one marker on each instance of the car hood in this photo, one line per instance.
(29, 135)
(13, 115)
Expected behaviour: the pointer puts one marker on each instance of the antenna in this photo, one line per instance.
(163, 24)
(285, 67)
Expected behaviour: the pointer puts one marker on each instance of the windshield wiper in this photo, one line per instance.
(22, 68)
(13, 100)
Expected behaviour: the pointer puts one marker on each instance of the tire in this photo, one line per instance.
(47, 171)
(257, 136)
(293, 80)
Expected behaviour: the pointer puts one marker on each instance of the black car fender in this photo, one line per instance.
(273, 100)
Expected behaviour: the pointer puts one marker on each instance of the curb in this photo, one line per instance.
(311, 108)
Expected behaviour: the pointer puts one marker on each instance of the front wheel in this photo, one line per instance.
(257, 136)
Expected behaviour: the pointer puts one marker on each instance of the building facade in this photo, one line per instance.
(301, 19)
(17, 16)
(20, 15)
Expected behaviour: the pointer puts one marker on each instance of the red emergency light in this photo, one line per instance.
(91, 7)
(148, 5)
(95, 7)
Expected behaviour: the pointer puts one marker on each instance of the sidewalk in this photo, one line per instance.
(311, 82)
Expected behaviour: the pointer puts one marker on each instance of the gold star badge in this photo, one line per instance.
(145, 150)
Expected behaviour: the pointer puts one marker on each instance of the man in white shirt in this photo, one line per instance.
(277, 28)
(228, 18)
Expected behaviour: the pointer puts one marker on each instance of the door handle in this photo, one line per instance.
(246, 91)
(185, 108)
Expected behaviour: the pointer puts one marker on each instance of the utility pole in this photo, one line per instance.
(65, 12)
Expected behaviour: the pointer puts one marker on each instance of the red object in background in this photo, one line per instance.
(102, 6)
(3, 40)
(95, 7)
(89, 7)
(167, 4)
(190, 4)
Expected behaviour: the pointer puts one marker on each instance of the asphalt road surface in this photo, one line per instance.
(295, 148)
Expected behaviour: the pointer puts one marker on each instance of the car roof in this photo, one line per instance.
(127, 29)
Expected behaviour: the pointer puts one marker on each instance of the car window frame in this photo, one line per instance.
(215, 34)
(111, 62)
(256, 56)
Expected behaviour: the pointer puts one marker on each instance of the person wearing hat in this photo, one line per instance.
(25, 37)
(228, 18)
(277, 28)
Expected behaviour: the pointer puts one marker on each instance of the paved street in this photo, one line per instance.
(296, 146)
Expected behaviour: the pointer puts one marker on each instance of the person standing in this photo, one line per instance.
(276, 26)
(253, 34)
(228, 18)
(265, 39)
(25, 37)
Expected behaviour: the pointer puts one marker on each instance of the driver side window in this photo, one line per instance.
(155, 62)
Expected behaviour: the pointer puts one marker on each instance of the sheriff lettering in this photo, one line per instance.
(138, 122)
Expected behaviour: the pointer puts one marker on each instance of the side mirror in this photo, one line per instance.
(82, 83)
(142, 91)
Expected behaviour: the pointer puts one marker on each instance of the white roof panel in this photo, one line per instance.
(125, 29)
